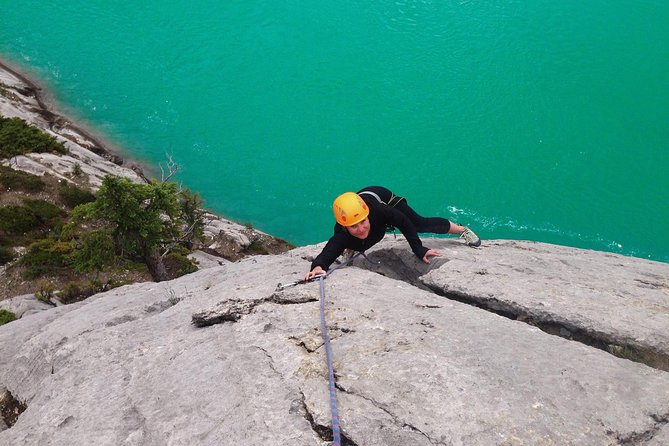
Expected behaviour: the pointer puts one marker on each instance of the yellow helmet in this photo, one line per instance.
(349, 209)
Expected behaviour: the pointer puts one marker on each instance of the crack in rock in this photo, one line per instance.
(392, 264)
(641, 438)
(232, 310)
(427, 306)
(271, 361)
(652, 285)
(395, 418)
(323, 432)
(563, 329)
(389, 264)
(303, 345)
(10, 407)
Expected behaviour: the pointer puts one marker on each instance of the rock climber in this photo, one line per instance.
(362, 221)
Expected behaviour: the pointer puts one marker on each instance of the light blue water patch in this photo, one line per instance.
(544, 121)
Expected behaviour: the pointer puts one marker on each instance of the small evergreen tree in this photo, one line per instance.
(144, 220)
(193, 215)
(95, 253)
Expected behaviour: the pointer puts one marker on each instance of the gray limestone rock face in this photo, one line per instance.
(24, 305)
(619, 303)
(413, 366)
(616, 303)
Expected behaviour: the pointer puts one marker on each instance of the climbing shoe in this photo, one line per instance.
(472, 239)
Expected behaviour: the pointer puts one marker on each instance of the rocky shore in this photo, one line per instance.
(20, 97)
(513, 343)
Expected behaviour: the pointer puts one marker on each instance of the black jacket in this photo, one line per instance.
(380, 217)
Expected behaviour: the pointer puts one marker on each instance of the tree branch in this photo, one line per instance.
(172, 168)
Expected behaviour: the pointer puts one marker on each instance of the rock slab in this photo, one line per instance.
(413, 367)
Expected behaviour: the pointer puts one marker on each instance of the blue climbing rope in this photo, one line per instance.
(336, 433)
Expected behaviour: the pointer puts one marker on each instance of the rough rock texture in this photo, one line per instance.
(413, 367)
(24, 305)
(574, 293)
(233, 241)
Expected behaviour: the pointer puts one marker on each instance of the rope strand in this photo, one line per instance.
(336, 433)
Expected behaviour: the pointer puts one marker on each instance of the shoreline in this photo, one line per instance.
(22, 97)
(57, 119)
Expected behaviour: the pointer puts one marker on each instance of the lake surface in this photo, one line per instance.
(534, 120)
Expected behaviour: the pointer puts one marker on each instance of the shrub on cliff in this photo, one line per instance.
(78, 290)
(73, 196)
(17, 137)
(193, 216)
(178, 264)
(32, 216)
(46, 256)
(49, 215)
(6, 254)
(17, 220)
(95, 252)
(6, 316)
(146, 221)
(11, 179)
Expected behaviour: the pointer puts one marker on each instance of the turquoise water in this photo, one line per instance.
(532, 120)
